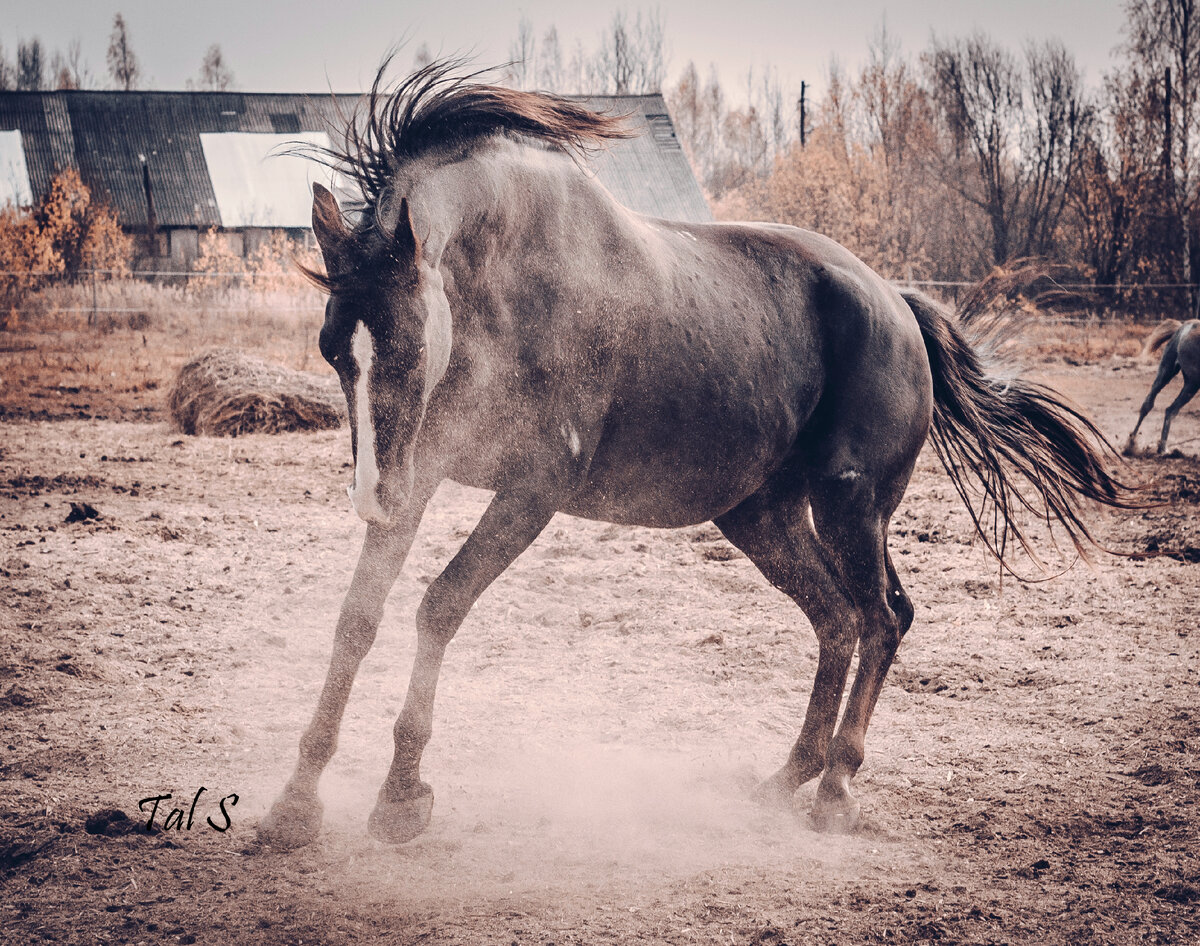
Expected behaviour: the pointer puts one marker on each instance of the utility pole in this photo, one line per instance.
(151, 217)
(803, 115)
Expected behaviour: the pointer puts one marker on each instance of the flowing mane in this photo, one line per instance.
(440, 106)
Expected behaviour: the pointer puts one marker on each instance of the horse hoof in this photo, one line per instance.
(843, 819)
(397, 822)
(292, 822)
(775, 792)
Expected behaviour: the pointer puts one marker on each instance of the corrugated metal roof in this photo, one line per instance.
(650, 173)
(14, 176)
(257, 182)
(108, 136)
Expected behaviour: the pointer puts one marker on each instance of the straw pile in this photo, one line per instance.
(224, 393)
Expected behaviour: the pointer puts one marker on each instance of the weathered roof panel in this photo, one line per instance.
(257, 182)
(14, 175)
(119, 141)
(650, 173)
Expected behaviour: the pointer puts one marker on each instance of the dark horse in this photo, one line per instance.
(1181, 354)
(496, 318)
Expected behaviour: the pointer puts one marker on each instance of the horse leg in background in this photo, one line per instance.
(506, 529)
(295, 818)
(774, 528)
(1168, 367)
(1190, 387)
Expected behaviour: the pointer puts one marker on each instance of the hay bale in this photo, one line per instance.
(225, 393)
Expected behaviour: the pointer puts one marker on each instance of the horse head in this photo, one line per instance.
(387, 334)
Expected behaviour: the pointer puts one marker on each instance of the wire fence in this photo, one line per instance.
(112, 292)
(108, 294)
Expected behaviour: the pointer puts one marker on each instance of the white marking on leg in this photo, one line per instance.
(366, 469)
(571, 436)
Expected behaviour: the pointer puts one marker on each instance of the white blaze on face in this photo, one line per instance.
(366, 469)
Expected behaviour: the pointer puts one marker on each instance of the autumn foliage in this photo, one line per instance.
(69, 232)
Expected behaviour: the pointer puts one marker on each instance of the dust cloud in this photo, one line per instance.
(578, 817)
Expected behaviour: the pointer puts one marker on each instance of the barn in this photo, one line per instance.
(174, 164)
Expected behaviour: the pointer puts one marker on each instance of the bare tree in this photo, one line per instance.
(1055, 127)
(614, 63)
(8, 73)
(575, 78)
(70, 71)
(895, 107)
(31, 66)
(215, 74)
(550, 62)
(977, 85)
(122, 63)
(650, 39)
(522, 52)
(422, 57)
(1163, 41)
(776, 126)
(631, 59)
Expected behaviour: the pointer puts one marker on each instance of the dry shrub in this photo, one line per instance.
(224, 393)
(273, 263)
(854, 196)
(79, 231)
(67, 233)
(213, 265)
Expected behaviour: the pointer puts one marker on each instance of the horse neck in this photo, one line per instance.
(509, 193)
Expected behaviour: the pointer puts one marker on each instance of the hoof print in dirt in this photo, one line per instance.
(110, 822)
(1036, 869)
(17, 696)
(15, 853)
(83, 512)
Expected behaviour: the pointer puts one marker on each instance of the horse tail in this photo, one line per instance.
(1162, 332)
(999, 429)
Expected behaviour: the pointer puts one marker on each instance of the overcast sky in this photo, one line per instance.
(310, 45)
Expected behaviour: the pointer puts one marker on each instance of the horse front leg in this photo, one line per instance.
(506, 529)
(295, 818)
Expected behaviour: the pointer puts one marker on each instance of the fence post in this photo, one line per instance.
(92, 315)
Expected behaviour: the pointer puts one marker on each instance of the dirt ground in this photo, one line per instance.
(1031, 773)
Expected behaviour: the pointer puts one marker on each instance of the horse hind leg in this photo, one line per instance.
(775, 530)
(830, 557)
(887, 618)
(1190, 387)
(1168, 367)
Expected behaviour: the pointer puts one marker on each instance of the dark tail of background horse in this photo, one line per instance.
(999, 429)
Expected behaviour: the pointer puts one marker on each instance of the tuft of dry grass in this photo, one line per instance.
(225, 393)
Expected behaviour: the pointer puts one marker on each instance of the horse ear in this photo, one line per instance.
(406, 237)
(328, 226)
